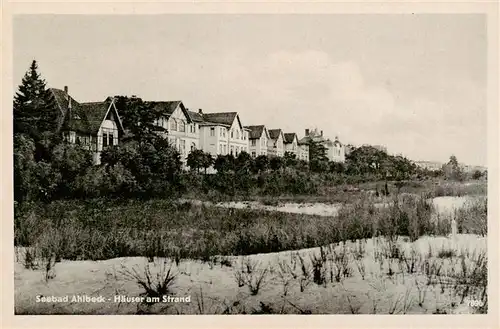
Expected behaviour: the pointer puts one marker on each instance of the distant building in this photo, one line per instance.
(335, 150)
(291, 143)
(429, 165)
(380, 148)
(275, 144)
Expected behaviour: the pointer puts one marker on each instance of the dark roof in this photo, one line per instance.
(195, 116)
(274, 133)
(289, 137)
(167, 106)
(82, 117)
(225, 118)
(255, 131)
(62, 100)
(94, 113)
(304, 140)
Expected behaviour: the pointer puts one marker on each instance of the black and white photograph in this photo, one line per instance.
(250, 164)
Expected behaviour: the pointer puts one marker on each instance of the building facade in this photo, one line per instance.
(223, 133)
(303, 151)
(95, 125)
(182, 131)
(258, 138)
(275, 144)
(291, 143)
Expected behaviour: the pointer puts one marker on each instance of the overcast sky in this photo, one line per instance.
(414, 83)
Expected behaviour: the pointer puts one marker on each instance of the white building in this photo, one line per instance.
(275, 144)
(182, 130)
(258, 138)
(222, 133)
(291, 143)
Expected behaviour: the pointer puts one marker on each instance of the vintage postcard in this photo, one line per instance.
(281, 159)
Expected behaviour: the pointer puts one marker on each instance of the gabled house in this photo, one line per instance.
(95, 125)
(258, 137)
(275, 144)
(223, 133)
(291, 143)
(182, 130)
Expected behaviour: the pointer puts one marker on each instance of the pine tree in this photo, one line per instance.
(35, 110)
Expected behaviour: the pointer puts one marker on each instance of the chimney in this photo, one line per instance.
(66, 92)
(307, 132)
(200, 111)
(321, 133)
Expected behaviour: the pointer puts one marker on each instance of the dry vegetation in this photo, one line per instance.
(372, 258)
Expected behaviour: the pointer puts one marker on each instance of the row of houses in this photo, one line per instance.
(98, 125)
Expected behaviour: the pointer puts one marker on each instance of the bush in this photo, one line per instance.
(473, 217)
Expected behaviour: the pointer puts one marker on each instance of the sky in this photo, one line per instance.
(414, 83)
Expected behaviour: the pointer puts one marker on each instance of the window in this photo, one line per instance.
(193, 147)
(237, 134)
(111, 140)
(104, 140)
(253, 154)
(212, 131)
(182, 147)
(182, 126)
(232, 133)
(232, 150)
(223, 132)
(173, 124)
(72, 136)
(254, 142)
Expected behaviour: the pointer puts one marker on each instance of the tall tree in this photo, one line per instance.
(243, 162)
(139, 118)
(35, 111)
(452, 169)
(195, 159)
(207, 161)
(317, 151)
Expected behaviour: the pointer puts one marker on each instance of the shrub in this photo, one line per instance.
(472, 218)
